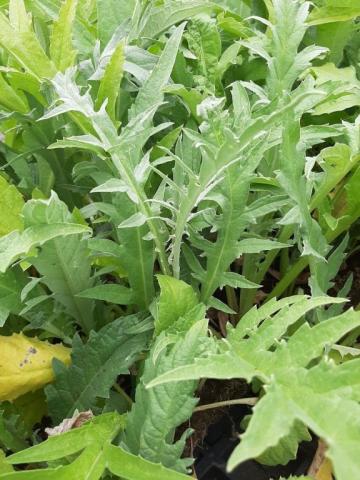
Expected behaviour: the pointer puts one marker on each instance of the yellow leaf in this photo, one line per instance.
(325, 471)
(26, 364)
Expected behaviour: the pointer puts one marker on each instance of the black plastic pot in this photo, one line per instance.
(220, 441)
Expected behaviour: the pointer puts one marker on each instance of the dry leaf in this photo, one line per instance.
(76, 421)
(26, 364)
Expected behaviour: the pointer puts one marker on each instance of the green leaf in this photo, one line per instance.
(111, 14)
(176, 299)
(347, 93)
(335, 36)
(11, 99)
(204, 41)
(258, 245)
(11, 285)
(61, 45)
(65, 266)
(110, 83)
(151, 93)
(44, 228)
(95, 366)
(297, 386)
(26, 50)
(329, 11)
(20, 20)
(110, 292)
(130, 467)
(11, 204)
(157, 412)
(292, 179)
(161, 17)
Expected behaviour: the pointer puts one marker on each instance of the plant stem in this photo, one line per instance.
(227, 403)
(123, 394)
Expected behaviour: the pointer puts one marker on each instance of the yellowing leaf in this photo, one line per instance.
(26, 364)
(325, 471)
(11, 205)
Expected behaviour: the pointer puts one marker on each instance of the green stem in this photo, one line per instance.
(127, 175)
(227, 403)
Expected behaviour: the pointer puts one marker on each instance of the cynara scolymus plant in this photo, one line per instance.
(158, 159)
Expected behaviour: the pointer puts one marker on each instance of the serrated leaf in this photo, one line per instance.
(289, 371)
(65, 266)
(151, 422)
(26, 364)
(151, 93)
(93, 440)
(95, 366)
(62, 52)
(16, 244)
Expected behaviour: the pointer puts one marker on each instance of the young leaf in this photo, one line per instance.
(110, 83)
(176, 299)
(61, 45)
(151, 93)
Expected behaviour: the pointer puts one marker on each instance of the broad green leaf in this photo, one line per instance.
(65, 266)
(258, 245)
(176, 299)
(61, 44)
(11, 285)
(110, 83)
(346, 95)
(11, 204)
(335, 36)
(130, 467)
(171, 12)
(136, 253)
(11, 99)
(26, 364)
(110, 292)
(329, 11)
(111, 14)
(95, 366)
(44, 222)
